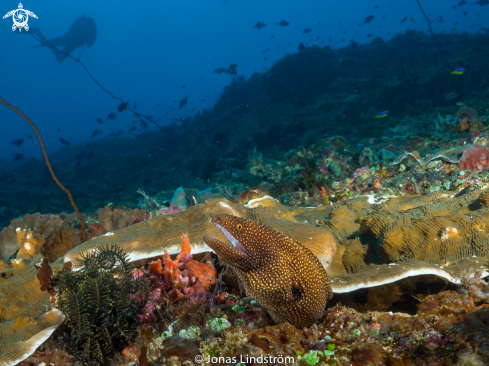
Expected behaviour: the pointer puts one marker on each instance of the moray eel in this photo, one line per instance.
(279, 272)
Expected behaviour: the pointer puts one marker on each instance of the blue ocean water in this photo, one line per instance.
(157, 53)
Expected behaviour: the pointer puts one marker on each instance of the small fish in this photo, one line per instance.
(122, 107)
(18, 157)
(458, 72)
(404, 19)
(307, 30)
(64, 142)
(465, 13)
(272, 37)
(96, 132)
(29, 136)
(463, 2)
(135, 105)
(183, 102)
(460, 104)
(262, 52)
(259, 25)
(368, 19)
(451, 96)
(99, 120)
(376, 6)
(283, 23)
(382, 114)
(383, 17)
(368, 35)
(17, 142)
(111, 116)
(59, 129)
(482, 2)
(184, 86)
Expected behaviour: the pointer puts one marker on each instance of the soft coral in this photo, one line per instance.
(475, 158)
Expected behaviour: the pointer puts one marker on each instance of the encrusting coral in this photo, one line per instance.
(24, 322)
(475, 158)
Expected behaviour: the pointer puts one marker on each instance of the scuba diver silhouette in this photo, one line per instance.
(82, 32)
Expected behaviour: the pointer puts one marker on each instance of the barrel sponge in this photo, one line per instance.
(475, 158)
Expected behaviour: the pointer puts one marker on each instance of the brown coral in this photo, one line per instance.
(61, 240)
(114, 218)
(369, 354)
(24, 322)
(283, 339)
(468, 119)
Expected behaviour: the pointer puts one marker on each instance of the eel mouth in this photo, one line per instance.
(234, 242)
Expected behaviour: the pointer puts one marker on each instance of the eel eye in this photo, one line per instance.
(239, 227)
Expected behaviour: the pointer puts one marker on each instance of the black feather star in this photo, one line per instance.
(101, 301)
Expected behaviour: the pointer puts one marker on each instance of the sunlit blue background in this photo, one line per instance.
(145, 51)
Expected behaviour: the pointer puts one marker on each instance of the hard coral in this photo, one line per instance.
(467, 118)
(475, 158)
(368, 354)
(478, 288)
(283, 339)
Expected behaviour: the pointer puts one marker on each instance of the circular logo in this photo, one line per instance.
(20, 18)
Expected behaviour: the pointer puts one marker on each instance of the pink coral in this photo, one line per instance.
(475, 158)
(148, 316)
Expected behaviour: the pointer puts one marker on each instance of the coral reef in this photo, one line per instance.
(54, 229)
(395, 210)
(149, 238)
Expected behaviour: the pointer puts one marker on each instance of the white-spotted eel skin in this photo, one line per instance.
(279, 272)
